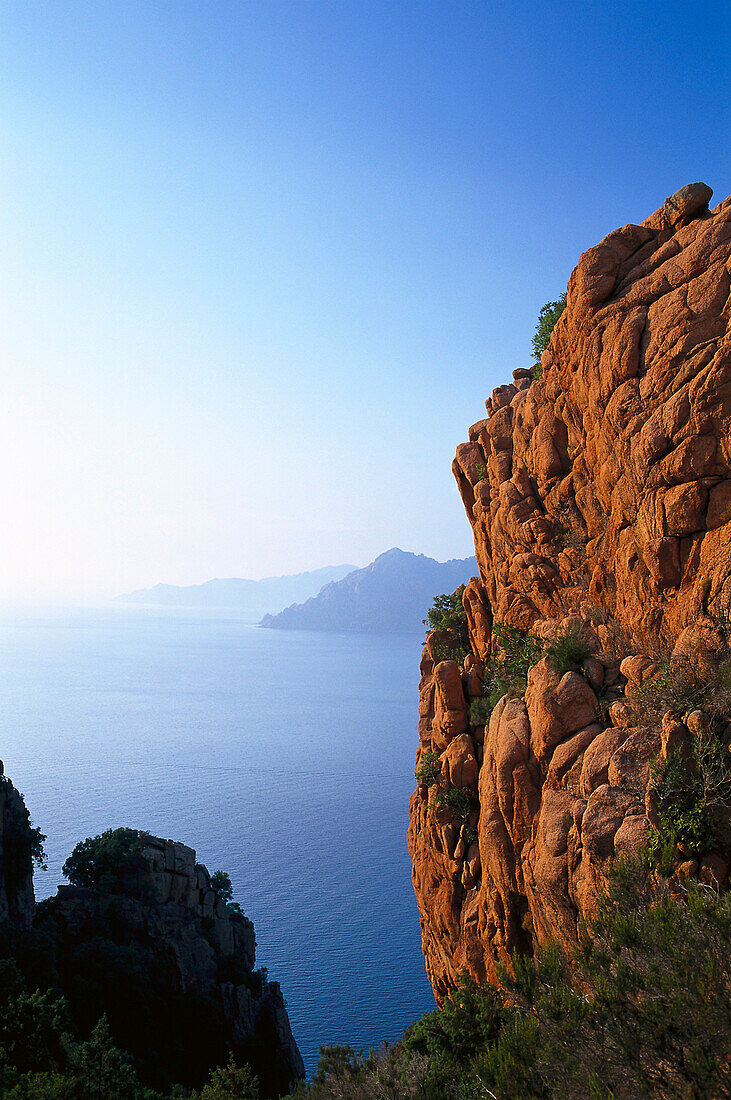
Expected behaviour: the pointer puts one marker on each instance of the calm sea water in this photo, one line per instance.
(284, 758)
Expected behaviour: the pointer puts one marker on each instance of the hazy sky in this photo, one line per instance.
(263, 262)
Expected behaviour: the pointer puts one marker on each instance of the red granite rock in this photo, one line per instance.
(599, 494)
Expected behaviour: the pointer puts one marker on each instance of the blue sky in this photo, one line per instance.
(263, 262)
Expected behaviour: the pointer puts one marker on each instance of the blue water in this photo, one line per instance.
(285, 758)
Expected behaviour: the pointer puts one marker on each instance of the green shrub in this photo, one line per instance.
(682, 815)
(231, 1082)
(101, 862)
(480, 710)
(429, 771)
(459, 800)
(343, 1072)
(105, 1071)
(471, 1019)
(547, 318)
(448, 649)
(519, 651)
(222, 888)
(678, 686)
(569, 650)
(506, 672)
(447, 613)
(689, 793)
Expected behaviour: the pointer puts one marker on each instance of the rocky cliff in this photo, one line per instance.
(171, 964)
(599, 495)
(17, 841)
(153, 947)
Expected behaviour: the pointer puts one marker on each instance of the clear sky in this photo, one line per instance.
(263, 261)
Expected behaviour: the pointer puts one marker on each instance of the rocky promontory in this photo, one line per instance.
(598, 489)
(149, 940)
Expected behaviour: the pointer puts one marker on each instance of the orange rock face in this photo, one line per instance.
(598, 494)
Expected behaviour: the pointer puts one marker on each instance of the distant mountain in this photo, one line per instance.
(391, 595)
(250, 598)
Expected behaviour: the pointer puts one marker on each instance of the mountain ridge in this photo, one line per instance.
(390, 595)
(256, 598)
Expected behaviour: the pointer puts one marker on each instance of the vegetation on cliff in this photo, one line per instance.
(23, 843)
(506, 671)
(598, 489)
(102, 862)
(641, 1008)
(599, 497)
(547, 318)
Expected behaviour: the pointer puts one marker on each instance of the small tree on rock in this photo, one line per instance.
(231, 1082)
(547, 318)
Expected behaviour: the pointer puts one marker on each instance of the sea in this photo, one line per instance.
(285, 758)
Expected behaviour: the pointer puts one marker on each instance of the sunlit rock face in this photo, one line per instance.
(599, 494)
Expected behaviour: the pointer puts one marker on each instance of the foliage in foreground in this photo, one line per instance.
(642, 1010)
(41, 1057)
(231, 1082)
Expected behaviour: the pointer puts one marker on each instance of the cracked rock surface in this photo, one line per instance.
(599, 495)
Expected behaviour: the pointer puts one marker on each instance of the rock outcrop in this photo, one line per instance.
(599, 496)
(171, 964)
(17, 900)
(157, 950)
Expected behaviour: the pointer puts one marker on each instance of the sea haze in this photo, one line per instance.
(285, 758)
